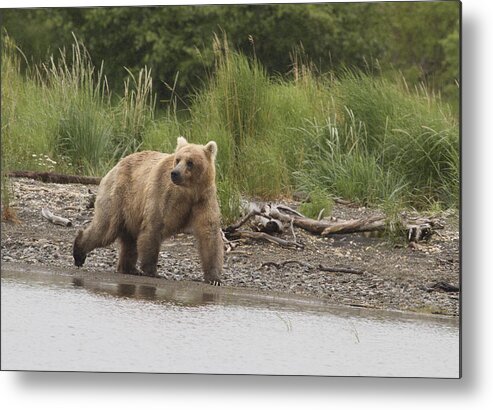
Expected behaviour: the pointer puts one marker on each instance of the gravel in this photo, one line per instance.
(396, 276)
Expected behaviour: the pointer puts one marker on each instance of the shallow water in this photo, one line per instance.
(60, 322)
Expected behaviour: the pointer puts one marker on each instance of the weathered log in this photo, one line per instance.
(55, 178)
(264, 222)
(57, 220)
(308, 224)
(376, 223)
(269, 215)
(268, 225)
(417, 228)
(264, 236)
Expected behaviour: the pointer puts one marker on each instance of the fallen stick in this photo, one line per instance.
(288, 209)
(229, 245)
(340, 270)
(279, 265)
(233, 227)
(265, 236)
(57, 220)
(442, 286)
(55, 178)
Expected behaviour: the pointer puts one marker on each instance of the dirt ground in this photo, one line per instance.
(396, 276)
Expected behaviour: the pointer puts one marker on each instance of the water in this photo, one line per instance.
(66, 323)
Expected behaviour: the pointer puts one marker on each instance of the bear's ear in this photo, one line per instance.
(180, 142)
(211, 149)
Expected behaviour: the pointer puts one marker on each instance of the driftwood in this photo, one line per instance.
(321, 227)
(57, 220)
(442, 286)
(356, 225)
(270, 218)
(268, 224)
(342, 270)
(279, 265)
(228, 245)
(262, 221)
(55, 178)
(232, 228)
(416, 228)
(264, 236)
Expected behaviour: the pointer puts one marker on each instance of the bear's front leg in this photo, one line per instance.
(211, 249)
(148, 245)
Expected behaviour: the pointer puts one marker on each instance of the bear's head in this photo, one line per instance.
(194, 165)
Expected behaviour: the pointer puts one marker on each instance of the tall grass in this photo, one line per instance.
(255, 118)
(410, 134)
(135, 111)
(363, 137)
(10, 70)
(66, 113)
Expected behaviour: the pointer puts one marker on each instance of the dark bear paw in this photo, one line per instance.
(79, 257)
(78, 254)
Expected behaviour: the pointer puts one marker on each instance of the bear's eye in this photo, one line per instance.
(189, 164)
(177, 160)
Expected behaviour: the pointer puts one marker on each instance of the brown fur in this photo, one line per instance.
(139, 204)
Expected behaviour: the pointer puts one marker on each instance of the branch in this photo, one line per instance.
(55, 178)
(341, 270)
(242, 221)
(265, 236)
(279, 265)
(57, 220)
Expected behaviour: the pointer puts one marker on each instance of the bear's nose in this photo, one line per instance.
(175, 176)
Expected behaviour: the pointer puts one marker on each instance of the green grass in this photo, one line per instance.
(366, 138)
(318, 204)
(62, 111)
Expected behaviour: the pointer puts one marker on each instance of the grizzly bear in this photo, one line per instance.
(148, 197)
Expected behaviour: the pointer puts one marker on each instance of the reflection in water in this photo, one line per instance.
(171, 294)
(146, 292)
(54, 322)
(208, 297)
(125, 290)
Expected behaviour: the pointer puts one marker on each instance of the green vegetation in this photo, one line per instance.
(420, 39)
(318, 204)
(360, 136)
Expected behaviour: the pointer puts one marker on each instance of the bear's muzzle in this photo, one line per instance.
(176, 177)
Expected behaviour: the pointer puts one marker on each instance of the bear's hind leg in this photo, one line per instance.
(128, 255)
(94, 236)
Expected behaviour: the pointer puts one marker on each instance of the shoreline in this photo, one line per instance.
(396, 278)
